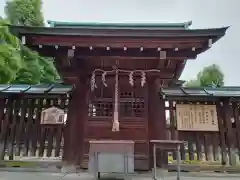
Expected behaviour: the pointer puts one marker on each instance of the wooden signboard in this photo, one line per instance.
(193, 117)
(52, 115)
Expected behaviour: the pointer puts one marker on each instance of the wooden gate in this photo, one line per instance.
(133, 117)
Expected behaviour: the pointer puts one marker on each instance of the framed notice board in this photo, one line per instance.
(195, 117)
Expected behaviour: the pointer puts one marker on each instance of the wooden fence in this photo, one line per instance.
(222, 147)
(22, 134)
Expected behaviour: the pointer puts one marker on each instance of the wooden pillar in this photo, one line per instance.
(199, 146)
(77, 117)
(157, 119)
(174, 132)
(221, 125)
(237, 121)
(3, 126)
(230, 135)
(172, 121)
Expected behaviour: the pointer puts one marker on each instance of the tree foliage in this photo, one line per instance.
(210, 76)
(19, 64)
(24, 12)
(192, 83)
(10, 60)
(36, 69)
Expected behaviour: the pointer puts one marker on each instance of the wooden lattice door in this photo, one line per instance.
(133, 116)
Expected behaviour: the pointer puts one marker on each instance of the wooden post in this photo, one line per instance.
(5, 127)
(74, 132)
(221, 124)
(216, 147)
(77, 116)
(172, 126)
(199, 146)
(208, 147)
(237, 121)
(160, 124)
(230, 135)
(157, 119)
(2, 140)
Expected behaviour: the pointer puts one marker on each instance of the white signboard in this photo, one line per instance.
(193, 117)
(52, 115)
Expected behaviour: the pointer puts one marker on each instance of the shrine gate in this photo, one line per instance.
(117, 70)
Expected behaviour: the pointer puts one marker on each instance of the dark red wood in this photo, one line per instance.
(221, 124)
(12, 126)
(5, 127)
(20, 128)
(230, 133)
(50, 132)
(36, 126)
(237, 121)
(117, 42)
(216, 144)
(117, 52)
(77, 118)
(59, 129)
(42, 140)
(198, 145)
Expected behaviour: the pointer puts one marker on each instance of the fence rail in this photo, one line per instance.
(21, 132)
(222, 147)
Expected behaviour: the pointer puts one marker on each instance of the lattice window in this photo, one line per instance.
(132, 109)
(101, 103)
(132, 102)
(100, 108)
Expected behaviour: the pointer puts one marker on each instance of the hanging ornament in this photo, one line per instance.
(115, 126)
(143, 78)
(104, 78)
(93, 81)
(131, 81)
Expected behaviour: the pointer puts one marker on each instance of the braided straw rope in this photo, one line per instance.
(115, 126)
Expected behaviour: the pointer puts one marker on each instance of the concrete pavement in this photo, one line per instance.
(85, 176)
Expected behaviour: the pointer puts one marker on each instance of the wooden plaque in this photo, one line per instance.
(52, 115)
(193, 117)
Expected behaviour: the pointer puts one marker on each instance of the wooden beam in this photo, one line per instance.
(179, 68)
(132, 58)
(192, 98)
(117, 42)
(133, 53)
(164, 73)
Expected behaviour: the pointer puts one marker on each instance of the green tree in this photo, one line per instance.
(24, 12)
(192, 83)
(210, 76)
(6, 36)
(10, 59)
(36, 69)
(19, 64)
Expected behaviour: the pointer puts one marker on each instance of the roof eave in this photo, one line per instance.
(184, 25)
(23, 30)
(200, 92)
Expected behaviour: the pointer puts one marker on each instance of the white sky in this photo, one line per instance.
(203, 13)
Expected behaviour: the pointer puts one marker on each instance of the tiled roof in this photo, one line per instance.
(35, 89)
(200, 92)
(183, 25)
